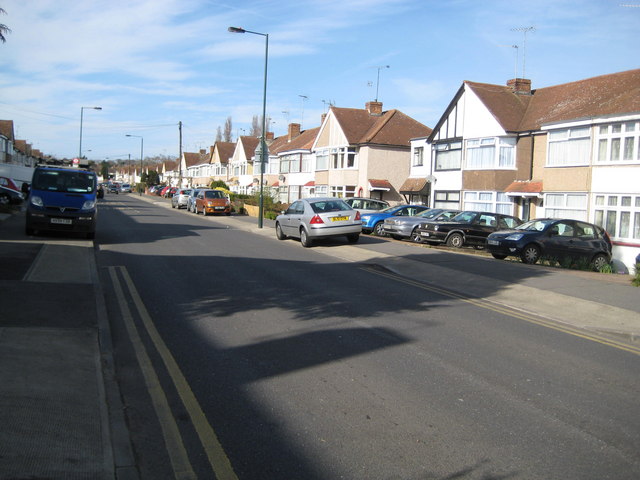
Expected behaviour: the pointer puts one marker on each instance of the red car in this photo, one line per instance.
(212, 201)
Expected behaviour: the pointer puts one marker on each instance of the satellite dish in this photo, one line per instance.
(282, 178)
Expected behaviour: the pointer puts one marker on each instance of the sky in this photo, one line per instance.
(150, 64)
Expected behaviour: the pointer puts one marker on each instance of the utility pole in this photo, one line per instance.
(180, 156)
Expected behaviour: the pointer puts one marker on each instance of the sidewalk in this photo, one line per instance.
(60, 407)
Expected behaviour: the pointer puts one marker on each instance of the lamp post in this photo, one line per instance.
(81, 115)
(141, 153)
(264, 151)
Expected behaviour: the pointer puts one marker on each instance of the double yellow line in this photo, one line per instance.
(179, 458)
(511, 312)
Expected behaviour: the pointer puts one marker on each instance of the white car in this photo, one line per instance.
(125, 188)
(181, 198)
(366, 205)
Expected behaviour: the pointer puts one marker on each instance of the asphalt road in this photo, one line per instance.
(240, 356)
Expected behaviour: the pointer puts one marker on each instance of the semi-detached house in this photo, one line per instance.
(565, 151)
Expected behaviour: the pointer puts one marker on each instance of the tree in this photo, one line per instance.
(104, 169)
(228, 133)
(256, 126)
(219, 134)
(3, 28)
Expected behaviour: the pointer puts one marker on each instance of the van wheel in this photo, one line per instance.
(91, 235)
(29, 231)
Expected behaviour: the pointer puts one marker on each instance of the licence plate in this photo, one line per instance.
(424, 234)
(339, 219)
(61, 221)
(493, 242)
(219, 208)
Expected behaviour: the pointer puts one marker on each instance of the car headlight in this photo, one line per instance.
(515, 236)
(89, 205)
(36, 201)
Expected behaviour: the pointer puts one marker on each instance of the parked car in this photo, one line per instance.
(466, 228)
(9, 196)
(180, 198)
(212, 201)
(125, 188)
(113, 188)
(373, 222)
(405, 227)
(191, 201)
(555, 238)
(311, 218)
(366, 205)
(9, 183)
(164, 190)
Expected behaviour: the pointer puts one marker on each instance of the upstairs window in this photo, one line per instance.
(491, 153)
(619, 142)
(418, 156)
(448, 156)
(322, 160)
(343, 158)
(569, 147)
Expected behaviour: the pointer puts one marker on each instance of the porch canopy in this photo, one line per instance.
(415, 186)
(382, 185)
(524, 188)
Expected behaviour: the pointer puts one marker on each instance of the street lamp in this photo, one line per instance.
(141, 153)
(264, 151)
(81, 115)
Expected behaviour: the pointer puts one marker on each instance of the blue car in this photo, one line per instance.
(373, 222)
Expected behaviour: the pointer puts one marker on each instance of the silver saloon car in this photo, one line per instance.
(405, 227)
(312, 218)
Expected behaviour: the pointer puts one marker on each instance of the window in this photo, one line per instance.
(566, 205)
(570, 146)
(448, 156)
(321, 190)
(491, 153)
(619, 142)
(343, 191)
(446, 199)
(322, 160)
(619, 215)
(283, 194)
(418, 156)
(342, 158)
(496, 202)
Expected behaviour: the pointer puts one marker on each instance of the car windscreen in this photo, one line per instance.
(214, 194)
(64, 181)
(535, 225)
(465, 217)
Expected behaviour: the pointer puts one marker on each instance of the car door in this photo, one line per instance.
(292, 218)
(560, 240)
(481, 227)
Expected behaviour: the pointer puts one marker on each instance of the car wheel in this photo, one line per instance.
(530, 254)
(455, 240)
(499, 256)
(279, 234)
(378, 230)
(304, 238)
(599, 261)
(353, 237)
(4, 199)
(172, 205)
(415, 237)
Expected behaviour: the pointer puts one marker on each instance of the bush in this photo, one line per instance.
(636, 278)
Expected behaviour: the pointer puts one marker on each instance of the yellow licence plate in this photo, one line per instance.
(339, 219)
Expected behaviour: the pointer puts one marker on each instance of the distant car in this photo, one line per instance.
(466, 228)
(311, 218)
(163, 191)
(373, 222)
(113, 188)
(180, 198)
(212, 201)
(366, 205)
(9, 196)
(191, 201)
(555, 238)
(399, 227)
(125, 188)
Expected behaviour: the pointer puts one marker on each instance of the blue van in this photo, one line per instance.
(62, 199)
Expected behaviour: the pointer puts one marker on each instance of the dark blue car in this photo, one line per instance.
(554, 238)
(373, 222)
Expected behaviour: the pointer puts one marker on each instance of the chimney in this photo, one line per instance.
(270, 136)
(294, 131)
(322, 118)
(374, 108)
(520, 86)
(203, 151)
(211, 148)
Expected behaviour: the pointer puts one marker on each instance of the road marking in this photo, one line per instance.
(215, 453)
(173, 441)
(487, 305)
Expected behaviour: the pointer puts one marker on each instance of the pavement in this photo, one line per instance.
(60, 407)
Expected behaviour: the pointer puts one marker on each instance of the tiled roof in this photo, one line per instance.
(225, 150)
(380, 184)
(605, 95)
(304, 141)
(526, 186)
(390, 128)
(191, 158)
(249, 144)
